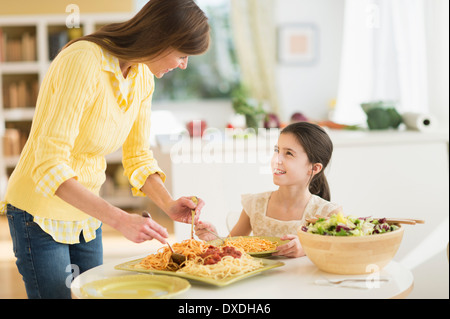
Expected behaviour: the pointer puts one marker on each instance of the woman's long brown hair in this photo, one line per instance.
(158, 26)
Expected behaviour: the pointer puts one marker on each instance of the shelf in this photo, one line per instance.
(115, 157)
(18, 114)
(19, 67)
(126, 201)
(11, 161)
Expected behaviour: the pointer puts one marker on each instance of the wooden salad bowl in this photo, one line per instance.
(349, 255)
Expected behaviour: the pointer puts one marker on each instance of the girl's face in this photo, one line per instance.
(167, 61)
(290, 164)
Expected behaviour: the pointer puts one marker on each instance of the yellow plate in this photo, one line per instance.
(267, 264)
(135, 287)
(276, 240)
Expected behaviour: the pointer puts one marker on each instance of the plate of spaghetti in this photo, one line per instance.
(257, 246)
(207, 263)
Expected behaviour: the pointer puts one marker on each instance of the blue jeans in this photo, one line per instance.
(48, 267)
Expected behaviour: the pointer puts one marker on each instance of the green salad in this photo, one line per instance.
(340, 225)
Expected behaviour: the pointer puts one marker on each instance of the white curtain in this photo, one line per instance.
(254, 34)
(384, 57)
(438, 60)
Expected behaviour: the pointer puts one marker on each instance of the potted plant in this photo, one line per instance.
(253, 111)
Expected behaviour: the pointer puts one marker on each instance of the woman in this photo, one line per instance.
(96, 98)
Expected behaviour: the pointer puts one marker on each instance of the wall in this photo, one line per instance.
(171, 117)
(21, 7)
(309, 89)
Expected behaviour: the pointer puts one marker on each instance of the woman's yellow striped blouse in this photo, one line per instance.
(86, 109)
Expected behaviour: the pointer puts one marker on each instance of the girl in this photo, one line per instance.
(300, 158)
(95, 98)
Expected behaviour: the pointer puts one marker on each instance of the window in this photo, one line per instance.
(211, 75)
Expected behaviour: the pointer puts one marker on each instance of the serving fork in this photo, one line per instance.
(211, 232)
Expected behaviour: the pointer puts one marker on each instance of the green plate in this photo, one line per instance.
(135, 287)
(267, 264)
(277, 240)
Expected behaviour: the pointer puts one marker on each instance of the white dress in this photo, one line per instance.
(255, 205)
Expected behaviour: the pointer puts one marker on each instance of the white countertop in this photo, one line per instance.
(267, 139)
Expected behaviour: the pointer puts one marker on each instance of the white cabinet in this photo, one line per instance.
(385, 174)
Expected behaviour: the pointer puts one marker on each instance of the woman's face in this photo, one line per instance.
(167, 61)
(290, 164)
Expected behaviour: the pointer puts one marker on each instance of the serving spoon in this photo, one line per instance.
(177, 258)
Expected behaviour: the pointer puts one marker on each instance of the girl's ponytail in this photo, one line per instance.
(319, 186)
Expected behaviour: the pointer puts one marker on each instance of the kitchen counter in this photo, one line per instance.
(339, 137)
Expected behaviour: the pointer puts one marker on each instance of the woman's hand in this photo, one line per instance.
(202, 233)
(139, 229)
(291, 249)
(134, 227)
(180, 209)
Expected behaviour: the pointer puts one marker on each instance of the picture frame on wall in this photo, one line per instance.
(298, 44)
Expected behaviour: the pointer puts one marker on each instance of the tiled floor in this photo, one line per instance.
(115, 247)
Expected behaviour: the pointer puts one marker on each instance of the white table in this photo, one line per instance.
(295, 280)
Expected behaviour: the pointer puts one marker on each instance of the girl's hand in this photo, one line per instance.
(180, 209)
(201, 233)
(291, 249)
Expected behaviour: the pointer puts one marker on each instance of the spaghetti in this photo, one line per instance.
(226, 267)
(162, 260)
(251, 244)
(202, 260)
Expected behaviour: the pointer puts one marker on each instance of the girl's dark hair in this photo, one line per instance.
(318, 147)
(159, 25)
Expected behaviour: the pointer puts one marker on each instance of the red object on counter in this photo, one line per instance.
(196, 128)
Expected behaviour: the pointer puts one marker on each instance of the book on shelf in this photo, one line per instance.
(58, 39)
(18, 94)
(28, 47)
(2, 46)
(17, 49)
(14, 141)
